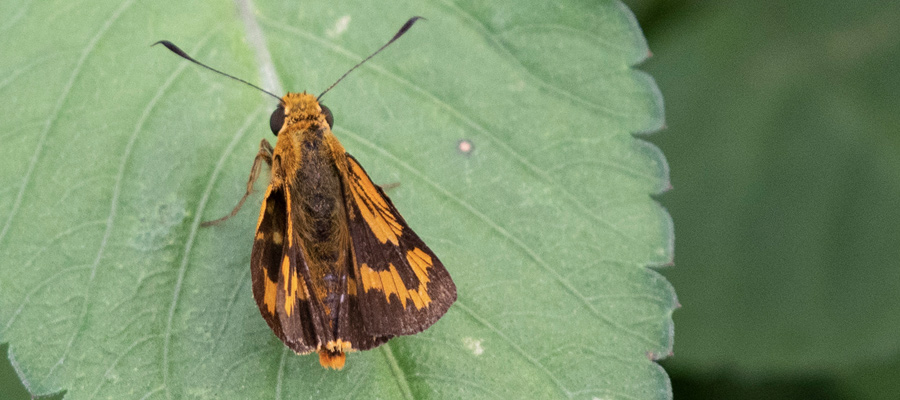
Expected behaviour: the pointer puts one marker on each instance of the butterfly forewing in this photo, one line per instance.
(402, 286)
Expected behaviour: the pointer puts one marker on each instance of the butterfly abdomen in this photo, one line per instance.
(320, 220)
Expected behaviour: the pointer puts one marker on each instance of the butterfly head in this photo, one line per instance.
(299, 107)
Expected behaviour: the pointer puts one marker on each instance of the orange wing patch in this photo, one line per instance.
(390, 282)
(277, 238)
(271, 291)
(420, 262)
(292, 286)
(373, 208)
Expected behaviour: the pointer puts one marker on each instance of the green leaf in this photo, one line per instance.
(114, 152)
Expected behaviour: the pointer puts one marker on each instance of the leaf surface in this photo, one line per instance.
(115, 152)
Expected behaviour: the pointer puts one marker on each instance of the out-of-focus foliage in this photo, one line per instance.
(784, 142)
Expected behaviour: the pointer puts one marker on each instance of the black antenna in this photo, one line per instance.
(171, 46)
(402, 30)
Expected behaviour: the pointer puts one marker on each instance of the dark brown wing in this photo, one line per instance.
(401, 285)
(279, 287)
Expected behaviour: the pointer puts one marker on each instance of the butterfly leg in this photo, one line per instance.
(264, 154)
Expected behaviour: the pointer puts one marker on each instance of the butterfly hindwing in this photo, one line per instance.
(401, 285)
(278, 284)
(265, 258)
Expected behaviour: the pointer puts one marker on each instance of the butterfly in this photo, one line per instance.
(335, 267)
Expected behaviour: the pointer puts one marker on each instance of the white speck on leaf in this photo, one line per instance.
(474, 345)
(339, 27)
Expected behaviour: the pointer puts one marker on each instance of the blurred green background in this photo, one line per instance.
(783, 142)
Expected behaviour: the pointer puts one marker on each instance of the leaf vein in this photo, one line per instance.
(399, 374)
(505, 51)
(524, 354)
(57, 109)
(257, 42)
(217, 170)
(117, 360)
(115, 197)
(195, 226)
(279, 382)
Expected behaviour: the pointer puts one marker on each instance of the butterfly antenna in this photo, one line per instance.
(402, 30)
(175, 49)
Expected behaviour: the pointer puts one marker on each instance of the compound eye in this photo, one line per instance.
(328, 117)
(276, 121)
